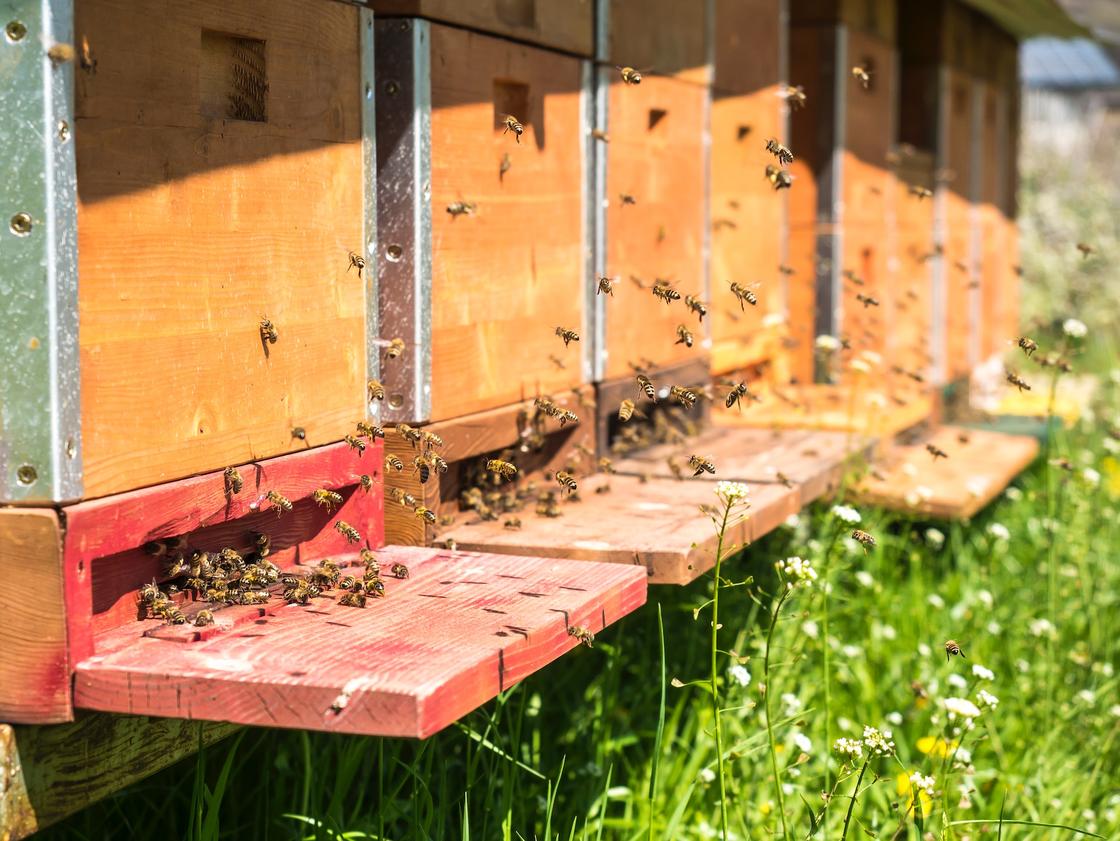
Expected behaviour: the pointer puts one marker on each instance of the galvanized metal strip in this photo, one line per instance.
(939, 294)
(404, 214)
(596, 199)
(830, 206)
(783, 79)
(369, 205)
(706, 151)
(40, 400)
(589, 345)
(975, 227)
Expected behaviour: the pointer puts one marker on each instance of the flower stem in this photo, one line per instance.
(769, 716)
(855, 794)
(827, 668)
(715, 674)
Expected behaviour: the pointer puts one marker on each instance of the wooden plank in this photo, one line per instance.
(663, 37)
(656, 155)
(462, 628)
(813, 461)
(192, 228)
(979, 466)
(959, 268)
(655, 524)
(747, 47)
(505, 277)
(911, 307)
(48, 773)
(560, 24)
(34, 672)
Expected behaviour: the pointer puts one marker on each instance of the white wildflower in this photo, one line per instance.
(878, 743)
(810, 629)
(803, 742)
(1087, 696)
(797, 571)
(894, 718)
(846, 514)
(956, 681)
(961, 708)
(1114, 711)
(909, 469)
(1022, 665)
(859, 366)
(848, 748)
(999, 531)
(1041, 627)
(1091, 476)
(922, 783)
(983, 672)
(987, 700)
(740, 675)
(935, 538)
(936, 601)
(707, 775)
(793, 521)
(791, 703)
(924, 650)
(865, 578)
(985, 598)
(994, 628)
(827, 343)
(851, 651)
(731, 491)
(773, 319)
(1013, 493)
(977, 486)
(1074, 329)
(888, 632)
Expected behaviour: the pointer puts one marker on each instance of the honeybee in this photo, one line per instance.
(867, 300)
(566, 481)
(700, 464)
(685, 396)
(920, 192)
(352, 598)
(395, 349)
(779, 179)
(606, 465)
(348, 531)
(505, 166)
(431, 439)
(568, 336)
(370, 430)
(662, 289)
(327, 499)
(1017, 381)
(582, 635)
(547, 507)
(369, 560)
(233, 480)
(425, 514)
(282, 503)
(674, 465)
(512, 524)
(782, 153)
(1085, 249)
(436, 462)
(646, 388)
(605, 286)
(936, 451)
(744, 294)
(231, 558)
(696, 305)
(399, 570)
(735, 396)
(629, 75)
(626, 198)
(785, 270)
(357, 261)
(1028, 345)
(301, 592)
(175, 566)
(420, 465)
(862, 75)
(299, 433)
(394, 463)
(599, 134)
(410, 434)
(502, 468)
(366, 482)
(512, 124)
(953, 649)
(251, 597)
(1064, 463)
(348, 582)
(684, 336)
(374, 586)
(794, 95)
(403, 498)
(148, 594)
(784, 479)
(462, 208)
(203, 618)
(375, 390)
(268, 332)
(355, 444)
(626, 410)
(864, 538)
(169, 612)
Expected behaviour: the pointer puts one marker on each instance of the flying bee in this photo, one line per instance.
(862, 75)
(282, 503)
(357, 261)
(348, 531)
(1085, 249)
(511, 124)
(625, 199)
(394, 349)
(784, 479)
(268, 332)
(370, 430)
(566, 481)
(410, 434)
(696, 305)
(700, 464)
(436, 462)
(862, 537)
(203, 618)
(420, 465)
(328, 499)
(736, 395)
(512, 524)
(794, 95)
(568, 336)
(867, 300)
(606, 465)
(398, 570)
(599, 134)
(425, 514)
(785, 270)
(684, 336)
(646, 387)
(403, 498)
(629, 75)
(366, 482)
(1018, 381)
(936, 451)
(505, 166)
(662, 290)
(352, 598)
(627, 410)
(431, 439)
(920, 192)
(685, 396)
(779, 179)
(744, 294)
(355, 444)
(233, 480)
(582, 635)
(953, 649)
(848, 274)
(1028, 345)
(462, 208)
(1064, 463)
(782, 153)
(501, 468)
(375, 390)
(394, 463)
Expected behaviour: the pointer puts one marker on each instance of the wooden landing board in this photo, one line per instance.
(980, 465)
(462, 628)
(812, 461)
(865, 409)
(655, 524)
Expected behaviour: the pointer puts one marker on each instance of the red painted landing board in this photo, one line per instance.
(460, 629)
(657, 525)
(813, 461)
(979, 466)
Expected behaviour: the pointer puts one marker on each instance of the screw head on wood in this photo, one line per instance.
(15, 30)
(392, 88)
(27, 474)
(20, 224)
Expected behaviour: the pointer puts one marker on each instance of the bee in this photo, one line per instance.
(426, 514)
(662, 290)
(399, 570)
(646, 387)
(1017, 381)
(61, 53)
(606, 465)
(629, 75)
(953, 649)
(366, 482)
(348, 531)
(355, 444)
(557, 361)
(252, 597)
(1028, 345)
(786, 270)
(375, 390)
(512, 524)
(547, 507)
(505, 166)
(299, 432)
(794, 95)
(357, 261)
(395, 349)
(920, 192)
(684, 336)
(462, 208)
(735, 396)
(867, 300)
(370, 430)
(700, 464)
(203, 618)
(353, 598)
(409, 434)
(326, 498)
(349, 582)
(268, 332)
(696, 306)
(626, 410)
(282, 503)
(567, 416)
(568, 336)
(394, 463)
(583, 635)
(233, 480)
(936, 451)
(1085, 249)
(863, 76)
(326, 574)
(511, 124)
(501, 468)
(779, 179)
(1064, 463)
(420, 464)
(626, 198)
(431, 439)
(374, 586)
(848, 274)
(403, 498)
(436, 462)
(599, 134)
(744, 293)
(605, 287)
(566, 481)
(784, 480)
(149, 594)
(301, 592)
(175, 566)
(170, 613)
(864, 538)
(782, 153)
(369, 561)
(685, 396)
(675, 468)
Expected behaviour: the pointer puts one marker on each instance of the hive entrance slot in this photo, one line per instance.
(233, 77)
(656, 115)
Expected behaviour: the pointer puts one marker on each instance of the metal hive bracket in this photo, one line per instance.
(369, 204)
(40, 401)
(404, 213)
